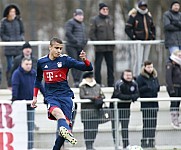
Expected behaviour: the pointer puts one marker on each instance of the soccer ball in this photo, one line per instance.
(135, 147)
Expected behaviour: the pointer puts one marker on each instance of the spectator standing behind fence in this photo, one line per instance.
(26, 53)
(11, 30)
(173, 80)
(76, 40)
(140, 26)
(102, 29)
(89, 89)
(149, 87)
(22, 89)
(54, 69)
(125, 89)
(172, 27)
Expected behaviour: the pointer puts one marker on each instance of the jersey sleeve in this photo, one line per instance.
(83, 66)
(39, 76)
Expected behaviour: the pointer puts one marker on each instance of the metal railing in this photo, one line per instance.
(41, 43)
(116, 112)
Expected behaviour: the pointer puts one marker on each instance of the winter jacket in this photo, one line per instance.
(75, 34)
(125, 90)
(172, 28)
(12, 31)
(138, 28)
(173, 77)
(102, 29)
(23, 84)
(148, 87)
(93, 92)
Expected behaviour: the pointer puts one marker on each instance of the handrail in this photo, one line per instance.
(36, 43)
(77, 100)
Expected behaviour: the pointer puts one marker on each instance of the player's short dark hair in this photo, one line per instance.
(55, 39)
(147, 62)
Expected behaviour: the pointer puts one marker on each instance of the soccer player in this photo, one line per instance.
(54, 68)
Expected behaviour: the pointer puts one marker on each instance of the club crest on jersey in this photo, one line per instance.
(59, 64)
(132, 88)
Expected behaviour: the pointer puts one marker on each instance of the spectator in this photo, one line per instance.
(149, 87)
(89, 89)
(76, 40)
(172, 27)
(26, 53)
(125, 89)
(22, 89)
(54, 68)
(102, 29)
(140, 26)
(173, 80)
(11, 30)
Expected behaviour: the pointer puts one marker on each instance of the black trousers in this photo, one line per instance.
(149, 123)
(74, 53)
(90, 132)
(124, 115)
(110, 67)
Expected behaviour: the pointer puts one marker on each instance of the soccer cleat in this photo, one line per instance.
(67, 135)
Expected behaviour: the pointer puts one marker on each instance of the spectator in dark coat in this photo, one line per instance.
(76, 40)
(173, 80)
(26, 53)
(102, 29)
(89, 89)
(11, 30)
(140, 26)
(149, 87)
(125, 89)
(22, 89)
(172, 27)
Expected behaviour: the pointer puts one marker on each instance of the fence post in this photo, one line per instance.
(39, 50)
(116, 119)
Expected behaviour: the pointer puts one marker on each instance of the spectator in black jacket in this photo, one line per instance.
(76, 40)
(172, 27)
(125, 89)
(149, 87)
(11, 30)
(102, 29)
(173, 80)
(140, 26)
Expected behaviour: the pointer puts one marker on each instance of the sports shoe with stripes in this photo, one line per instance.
(67, 135)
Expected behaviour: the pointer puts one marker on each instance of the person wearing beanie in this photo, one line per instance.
(140, 26)
(11, 29)
(76, 37)
(172, 27)
(89, 89)
(102, 29)
(173, 81)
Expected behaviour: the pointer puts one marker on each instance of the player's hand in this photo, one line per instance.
(82, 55)
(33, 103)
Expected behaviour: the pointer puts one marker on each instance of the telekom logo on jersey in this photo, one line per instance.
(55, 75)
